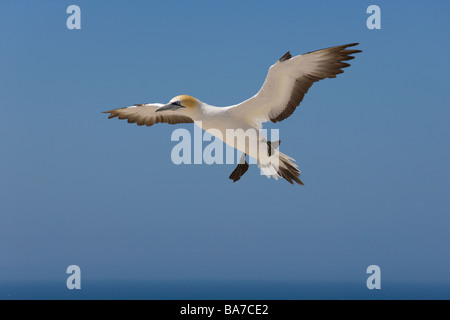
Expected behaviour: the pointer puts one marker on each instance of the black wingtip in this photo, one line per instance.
(286, 56)
(352, 45)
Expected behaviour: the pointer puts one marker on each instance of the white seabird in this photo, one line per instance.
(287, 81)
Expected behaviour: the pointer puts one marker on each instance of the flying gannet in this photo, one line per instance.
(287, 81)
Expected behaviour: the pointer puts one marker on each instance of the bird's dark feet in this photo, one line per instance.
(239, 171)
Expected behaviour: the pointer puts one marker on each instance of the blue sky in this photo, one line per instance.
(373, 144)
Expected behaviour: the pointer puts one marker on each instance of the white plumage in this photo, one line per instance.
(287, 81)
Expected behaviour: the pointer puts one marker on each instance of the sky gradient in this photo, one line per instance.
(372, 144)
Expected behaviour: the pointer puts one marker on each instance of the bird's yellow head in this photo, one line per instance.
(181, 102)
(186, 101)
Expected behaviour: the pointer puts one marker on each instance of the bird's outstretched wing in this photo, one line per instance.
(289, 79)
(144, 114)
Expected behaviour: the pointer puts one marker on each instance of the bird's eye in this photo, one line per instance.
(177, 103)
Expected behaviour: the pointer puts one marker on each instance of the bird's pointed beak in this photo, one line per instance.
(169, 107)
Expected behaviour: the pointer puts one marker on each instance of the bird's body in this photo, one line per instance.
(287, 82)
(238, 132)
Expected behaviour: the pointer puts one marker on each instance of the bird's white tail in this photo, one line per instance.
(281, 165)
